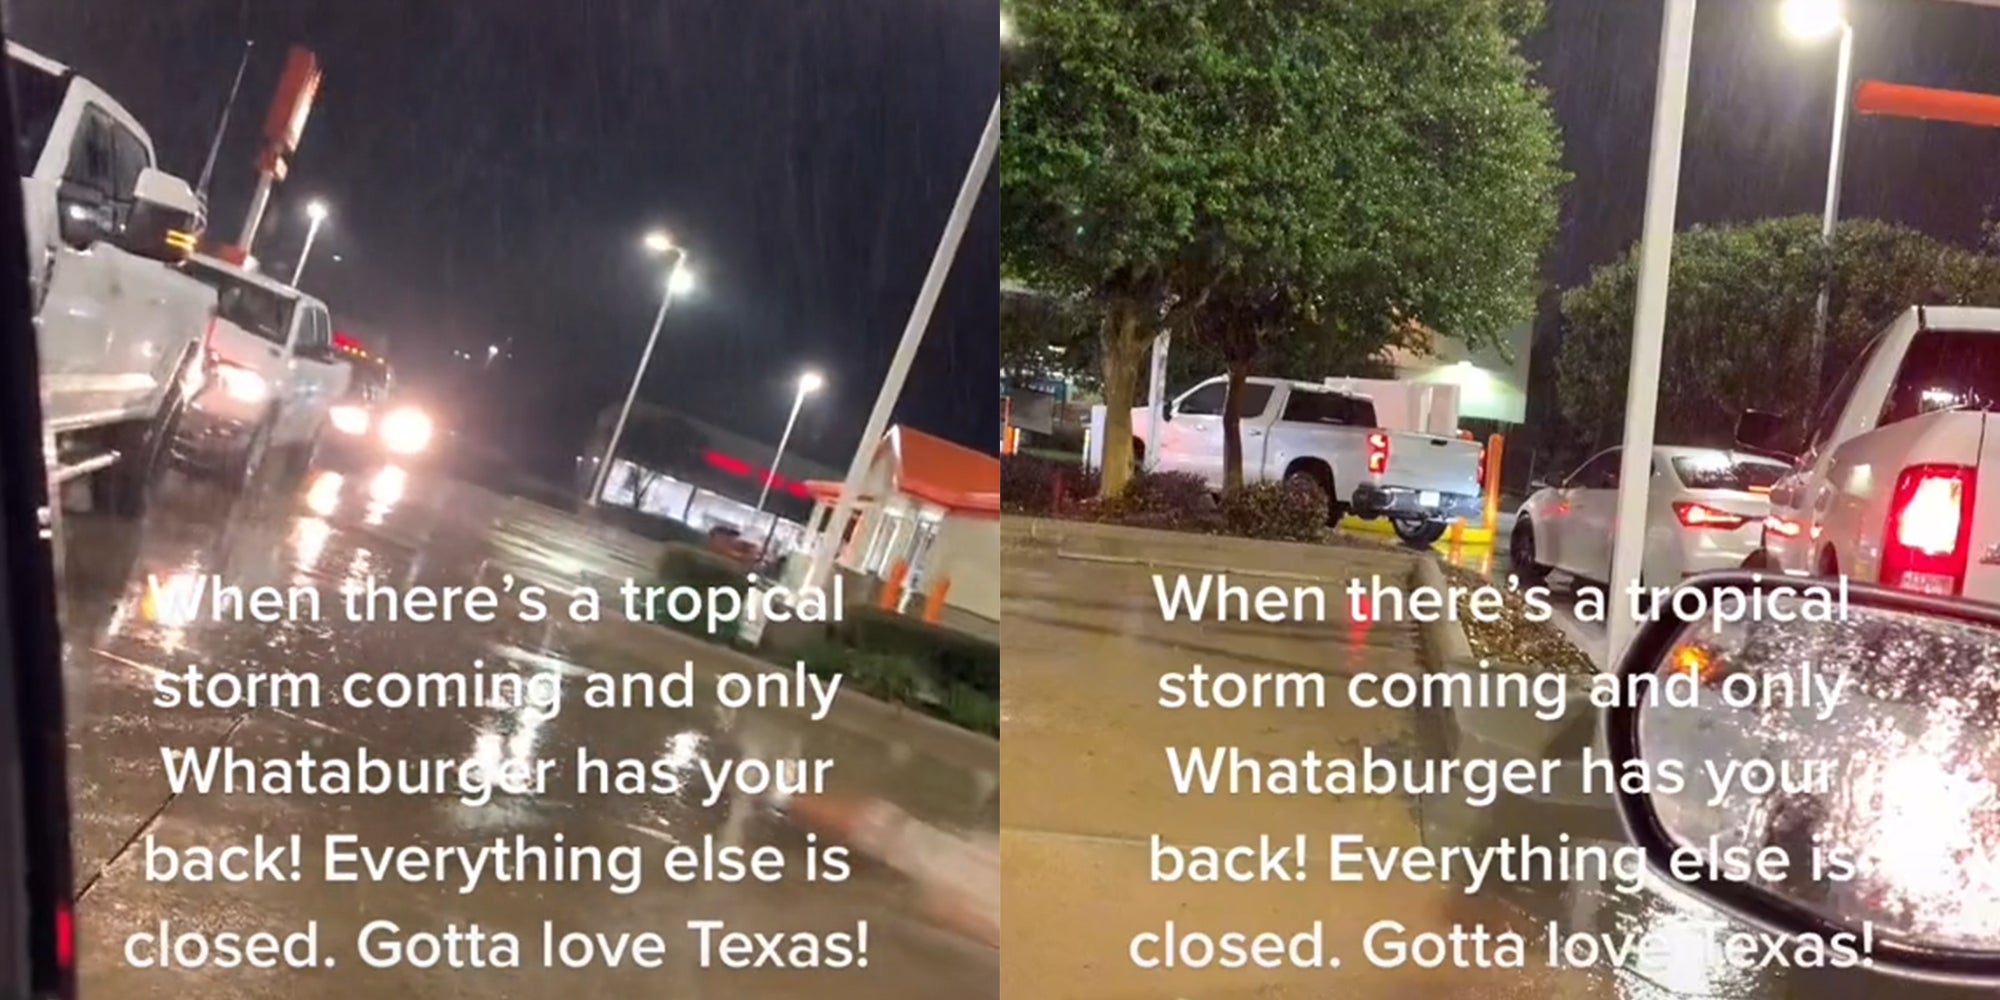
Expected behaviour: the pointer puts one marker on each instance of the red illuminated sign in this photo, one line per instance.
(738, 467)
(297, 89)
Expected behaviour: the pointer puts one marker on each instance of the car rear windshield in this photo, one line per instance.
(1725, 472)
(1946, 370)
(38, 96)
(249, 305)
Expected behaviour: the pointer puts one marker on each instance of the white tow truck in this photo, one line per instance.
(1314, 432)
(119, 326)
(1898, 482)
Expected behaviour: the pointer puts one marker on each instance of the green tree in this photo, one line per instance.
(1740, 317)
(1257, 172)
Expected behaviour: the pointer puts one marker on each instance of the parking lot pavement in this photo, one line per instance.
(417, 530)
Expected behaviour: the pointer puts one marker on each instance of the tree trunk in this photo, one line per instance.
(1124, 349)
(1232, 428)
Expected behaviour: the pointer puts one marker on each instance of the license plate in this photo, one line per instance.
(1428, 498)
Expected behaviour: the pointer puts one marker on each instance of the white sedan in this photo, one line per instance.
(1705, 511)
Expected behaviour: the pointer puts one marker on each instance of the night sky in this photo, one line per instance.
(492, 166)
(1759, 127)
(1760, 119)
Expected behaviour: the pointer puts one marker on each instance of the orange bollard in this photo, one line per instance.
(934, 605)
(892, 585)
(1457, 536)
(1494, 445)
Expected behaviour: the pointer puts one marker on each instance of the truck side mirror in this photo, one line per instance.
(1764, 433)
(166, 217)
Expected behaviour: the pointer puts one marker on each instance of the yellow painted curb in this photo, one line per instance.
(1381, 526)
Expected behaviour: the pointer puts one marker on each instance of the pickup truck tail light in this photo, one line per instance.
(1378, 453)
(1698, 515)
(1929, 534)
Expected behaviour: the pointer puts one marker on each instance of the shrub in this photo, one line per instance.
(891, 677)
(684, 565)
(951, 657)
(969, 709)
(1034, 484)
(1027, 484)
(1289, 511)
(1176, 501)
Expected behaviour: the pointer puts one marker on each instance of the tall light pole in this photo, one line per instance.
(222, 125)
(809, 383)
(820, 569)
(1811, 20)
(1649, 318)
(316, 211)
(678, 281)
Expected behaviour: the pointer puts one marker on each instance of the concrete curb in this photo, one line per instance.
(852, 710)
(1504, 733)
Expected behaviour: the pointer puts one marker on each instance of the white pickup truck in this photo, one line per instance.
(1888, 487)
(275, 378)
(119, 327)
(1304, 430)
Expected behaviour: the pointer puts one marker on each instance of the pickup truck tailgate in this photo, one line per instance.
(1431, 462)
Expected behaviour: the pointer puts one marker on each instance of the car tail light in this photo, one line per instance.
(1698, 515)
(1780, 526)
(1378, 453)
(1930, 529)
(65, 938)
(1482, 468)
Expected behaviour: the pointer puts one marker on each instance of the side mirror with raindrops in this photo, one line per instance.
(1838, 772)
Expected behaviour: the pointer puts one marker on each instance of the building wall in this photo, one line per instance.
(1492, 384)
(968, 553)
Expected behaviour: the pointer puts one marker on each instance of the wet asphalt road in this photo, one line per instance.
(418, 529)
(1078, 686)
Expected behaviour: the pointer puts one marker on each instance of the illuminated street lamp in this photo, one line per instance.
(809, 383)
(316, 212)
(678, 282)
(1810, 21)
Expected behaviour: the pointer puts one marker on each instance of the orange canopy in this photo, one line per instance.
(934, 470)
(1898, 100)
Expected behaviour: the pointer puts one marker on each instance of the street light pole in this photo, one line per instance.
(1649, 319)
(821, 566)
(222, 125)
(645, 358)
(315, 211)
(1836, 159)
(808, 382)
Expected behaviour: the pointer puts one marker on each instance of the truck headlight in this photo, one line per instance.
(241, 383)
(406, 431)
(352, 420)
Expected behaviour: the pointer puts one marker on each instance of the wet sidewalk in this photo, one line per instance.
(1084, 649)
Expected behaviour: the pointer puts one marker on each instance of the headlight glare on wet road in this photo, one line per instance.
(351, 420)
(406, 431)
